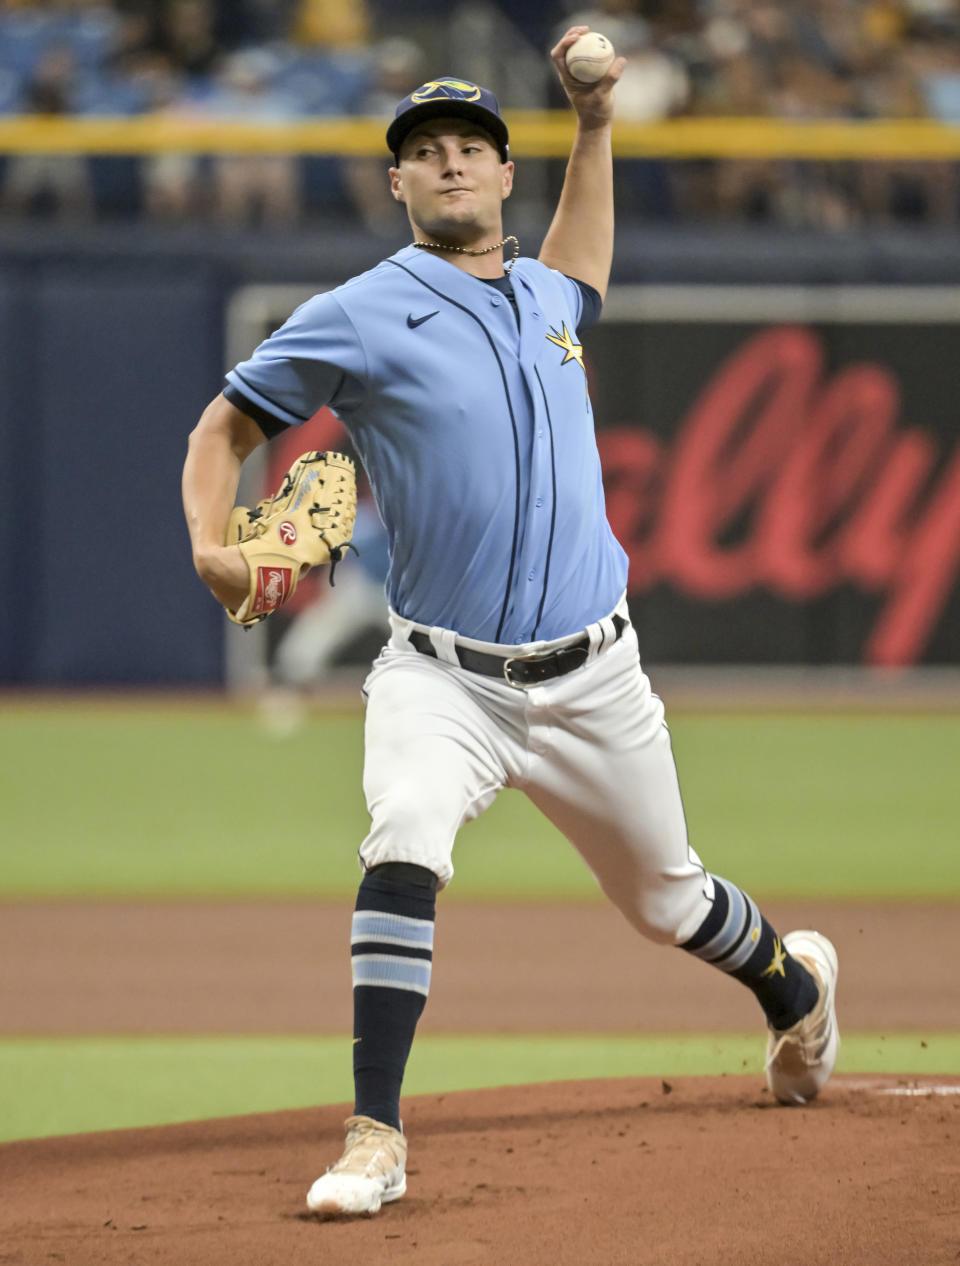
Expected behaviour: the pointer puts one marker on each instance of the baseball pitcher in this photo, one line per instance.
(457, 369)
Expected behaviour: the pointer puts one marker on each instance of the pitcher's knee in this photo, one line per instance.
(404, 830)
(407, 813)
(668, 911)
(382, 849)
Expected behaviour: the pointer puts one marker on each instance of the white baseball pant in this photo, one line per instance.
(590, 749)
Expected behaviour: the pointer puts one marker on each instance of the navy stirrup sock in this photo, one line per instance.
(737, 938)
(391, 943)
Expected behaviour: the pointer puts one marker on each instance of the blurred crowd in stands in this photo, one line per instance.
(292, 59)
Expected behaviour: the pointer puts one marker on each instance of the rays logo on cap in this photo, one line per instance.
(445, 97)
(457, 89)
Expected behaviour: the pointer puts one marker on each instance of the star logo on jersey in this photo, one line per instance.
(563, 338)
(778, 960)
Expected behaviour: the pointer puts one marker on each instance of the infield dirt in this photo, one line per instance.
(283, 967)
(689, 1172)
(693, 1173)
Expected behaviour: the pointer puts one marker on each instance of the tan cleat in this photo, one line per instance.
(800, 1059)
(371, 1171)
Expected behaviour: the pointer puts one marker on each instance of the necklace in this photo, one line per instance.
(464, 250)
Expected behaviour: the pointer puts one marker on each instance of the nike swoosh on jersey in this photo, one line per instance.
(413, 321)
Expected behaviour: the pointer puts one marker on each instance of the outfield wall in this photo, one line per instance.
(782, 461)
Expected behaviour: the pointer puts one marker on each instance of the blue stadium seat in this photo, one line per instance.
(11, 91)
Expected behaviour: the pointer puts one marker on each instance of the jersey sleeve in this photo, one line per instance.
(314, 359)
(590, 304)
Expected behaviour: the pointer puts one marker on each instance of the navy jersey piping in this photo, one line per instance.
(591, 305)
(553, 511)
(271, 426)
(513, 424)
(304, 417)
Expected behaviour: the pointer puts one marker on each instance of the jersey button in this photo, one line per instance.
(539, 502)
(531, 576)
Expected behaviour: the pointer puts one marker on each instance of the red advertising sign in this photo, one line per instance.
(832, 485)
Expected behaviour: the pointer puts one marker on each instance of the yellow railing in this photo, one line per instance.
(533, 134)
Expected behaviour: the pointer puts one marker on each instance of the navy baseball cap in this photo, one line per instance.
(443, 98)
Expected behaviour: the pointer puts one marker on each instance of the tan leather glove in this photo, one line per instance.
(308, 521)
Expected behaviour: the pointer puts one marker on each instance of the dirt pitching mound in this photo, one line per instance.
(696, 1172)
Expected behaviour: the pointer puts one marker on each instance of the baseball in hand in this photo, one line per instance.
(590, 57)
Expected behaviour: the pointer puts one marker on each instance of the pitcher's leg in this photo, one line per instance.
(431, 762)
(433, 759)
(633, 838)
(391, 943)
(735, 937)
(605, 775)
(391, 954)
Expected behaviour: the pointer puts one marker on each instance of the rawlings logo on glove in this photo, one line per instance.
(307, 522)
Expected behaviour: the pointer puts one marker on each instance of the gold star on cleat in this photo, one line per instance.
(779, 958)
(565, 340)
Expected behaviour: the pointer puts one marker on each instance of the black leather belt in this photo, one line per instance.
(520, 670)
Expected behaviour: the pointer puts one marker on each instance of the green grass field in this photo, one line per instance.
(121, 801)
(116, 800)
(72, 1086)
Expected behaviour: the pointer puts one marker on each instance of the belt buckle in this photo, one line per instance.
(520, 659)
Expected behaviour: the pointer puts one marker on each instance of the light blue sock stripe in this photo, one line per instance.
(720, 944)
(749, 942)
(392, 929)
(389, 972)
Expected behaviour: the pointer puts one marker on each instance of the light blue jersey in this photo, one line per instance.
(477, 438)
